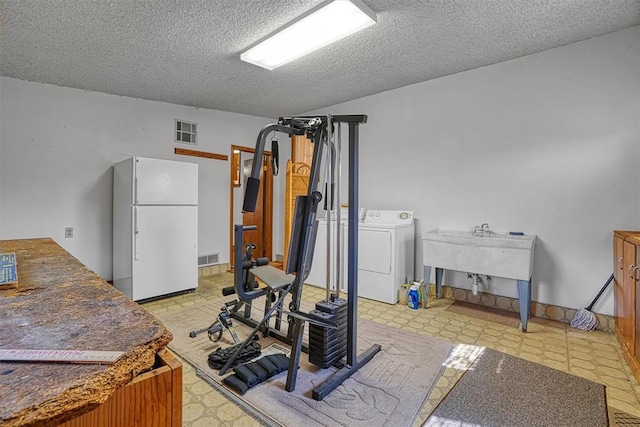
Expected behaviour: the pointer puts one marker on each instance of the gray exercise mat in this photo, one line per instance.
(387, 391)
(390, 390)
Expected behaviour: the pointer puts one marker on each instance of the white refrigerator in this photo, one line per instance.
(155, 227)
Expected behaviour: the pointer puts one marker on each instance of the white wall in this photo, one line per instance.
(548, 144)
(57, 146)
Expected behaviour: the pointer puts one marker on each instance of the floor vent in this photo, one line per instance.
(211, 259)
(622, 419)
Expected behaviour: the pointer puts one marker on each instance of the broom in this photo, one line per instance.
(584, 318)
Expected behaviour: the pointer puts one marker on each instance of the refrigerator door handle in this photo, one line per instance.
(135, 190)
(136, 234)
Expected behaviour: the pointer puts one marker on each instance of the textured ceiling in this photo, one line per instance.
(188, 52)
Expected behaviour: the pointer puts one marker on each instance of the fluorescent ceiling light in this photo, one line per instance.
(324, 25)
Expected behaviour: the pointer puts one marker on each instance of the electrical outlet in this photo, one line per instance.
(68, 232)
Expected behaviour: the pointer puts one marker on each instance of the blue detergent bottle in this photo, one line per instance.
(413, 299)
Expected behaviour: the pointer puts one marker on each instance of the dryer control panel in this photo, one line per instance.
(344, 214)
(388, 217)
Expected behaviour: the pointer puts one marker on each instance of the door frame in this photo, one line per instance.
(267, 216)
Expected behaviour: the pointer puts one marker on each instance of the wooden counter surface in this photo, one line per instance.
(61, 304)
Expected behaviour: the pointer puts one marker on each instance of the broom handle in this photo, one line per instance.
(600, 293)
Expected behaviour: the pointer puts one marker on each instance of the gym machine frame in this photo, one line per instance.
(303, 240)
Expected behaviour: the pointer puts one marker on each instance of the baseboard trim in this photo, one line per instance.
(543, 311)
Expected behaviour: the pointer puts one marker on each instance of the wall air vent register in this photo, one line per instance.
(186, 132)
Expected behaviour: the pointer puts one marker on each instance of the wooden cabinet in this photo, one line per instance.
(152, 399)
(625, 295)
(626, 258)
(632, 276)
(618, 290)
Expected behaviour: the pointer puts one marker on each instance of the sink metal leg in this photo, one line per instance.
(426, 270)
(427, 277)
(524, 295)
(439, 272)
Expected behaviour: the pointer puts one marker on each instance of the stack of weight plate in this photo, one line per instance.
(327, 346)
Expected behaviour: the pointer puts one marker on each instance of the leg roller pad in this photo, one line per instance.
(268, 366)
(279, 360)
(251, 374)
(236, 383)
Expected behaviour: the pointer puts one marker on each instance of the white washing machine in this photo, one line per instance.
(385, 254)
(318, 274)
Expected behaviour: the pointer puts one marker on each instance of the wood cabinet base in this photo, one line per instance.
(633, 363)
(151, 399)
(626, 258)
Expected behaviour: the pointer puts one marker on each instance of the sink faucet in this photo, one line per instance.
(482, 230)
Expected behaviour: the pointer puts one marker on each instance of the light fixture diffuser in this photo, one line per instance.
(330, 22)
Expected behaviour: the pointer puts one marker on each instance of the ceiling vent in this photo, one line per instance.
(186, 132)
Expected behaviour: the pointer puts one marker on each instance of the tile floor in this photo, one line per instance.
(592, 355)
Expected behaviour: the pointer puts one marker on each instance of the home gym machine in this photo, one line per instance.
(231, 308)
(333, 325)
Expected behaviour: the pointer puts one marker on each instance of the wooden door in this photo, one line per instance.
(263, 215)
(261, 237)
(618, 282)
(635, 277)
(628, 315)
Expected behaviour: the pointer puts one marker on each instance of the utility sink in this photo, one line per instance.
(490, 253)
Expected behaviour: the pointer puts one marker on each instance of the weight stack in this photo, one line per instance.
(328, 346)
